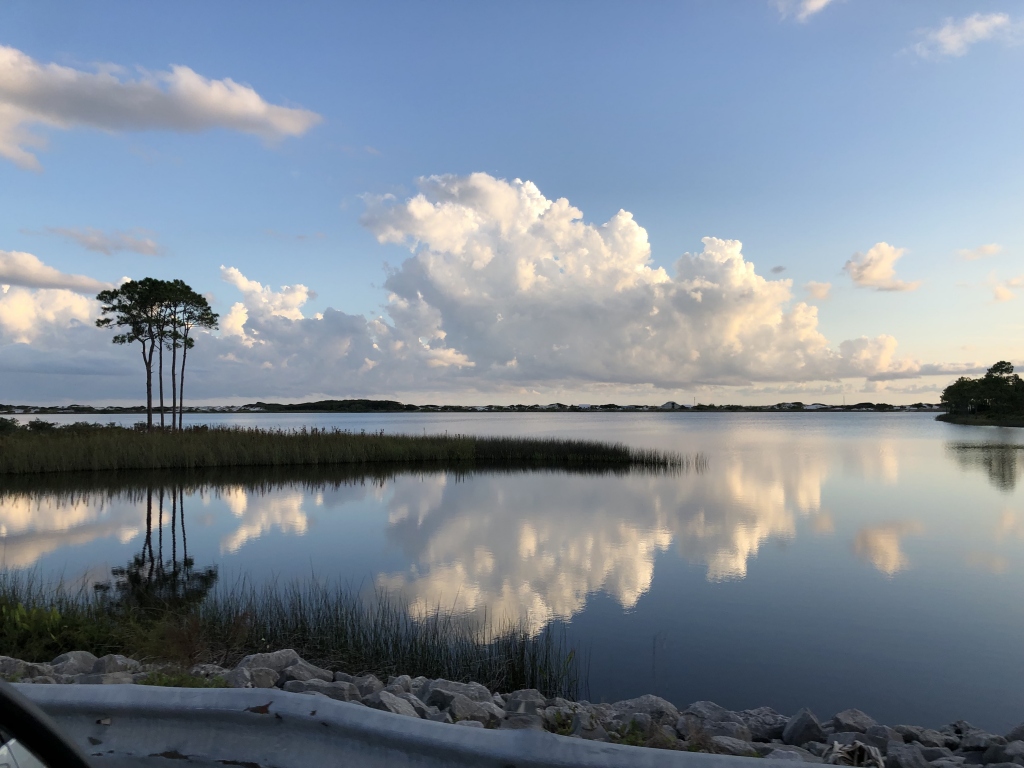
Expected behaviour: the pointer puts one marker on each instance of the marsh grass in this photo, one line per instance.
(331, 626)
(92, 448)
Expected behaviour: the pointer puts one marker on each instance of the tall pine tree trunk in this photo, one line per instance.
(174, 380)
(161, 376)
(149, 387)
(181, 386)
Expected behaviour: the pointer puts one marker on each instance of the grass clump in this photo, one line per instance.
(47, 448)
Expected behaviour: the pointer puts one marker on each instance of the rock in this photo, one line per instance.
(440, 717)
(1002, 765)
(402, 681)
(773, 750)
(880, 736)
(368, 684)
(726, 745)
(277, 661)
(1017, 734)
(528, 701)
(1013, 752)
(931, 754)
(520, 722)
(926, 737)
(73, 663)
(41, 679)
(472, 691)
(637, 722)
(708, 710)
(16, 669)
(251, 677)
(852, 720)
(303, 671)
(585, 726)
(207, 671)
(784, 754)
(816, 748)
(764, 723)
(954, 762)
(558, 719)
(499, 700)
(339, 691)
(461, 707)
(979, 741)
(417, 684)
(493, 711)
(470, 723)
(114, 662)
(421, 709)
(106, 678)
(901, 755)
(803, 727)
(387, 702)
(662, 712)
(343, 677)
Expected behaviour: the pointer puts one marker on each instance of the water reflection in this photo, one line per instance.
(151, 578)
(880, 545)
(259, 514)
(1000, 463)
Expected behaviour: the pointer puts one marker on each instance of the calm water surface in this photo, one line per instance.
(828, 560)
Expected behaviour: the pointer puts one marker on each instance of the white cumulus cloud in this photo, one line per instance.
(24, 269)
(180, 99)
(109, 243)
(498, 273)
(956, 36)
(25, 315)
(877, 269)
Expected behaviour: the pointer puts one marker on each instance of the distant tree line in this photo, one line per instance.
(999, 392)
(159, 315)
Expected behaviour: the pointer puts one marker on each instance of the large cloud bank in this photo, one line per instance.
(177, 100)
(503, 291)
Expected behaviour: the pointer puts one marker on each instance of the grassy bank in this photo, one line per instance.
(975, 420)
(159, 616)
(85, 447)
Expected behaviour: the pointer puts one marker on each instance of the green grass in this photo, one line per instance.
(333, 627)
(91, 448)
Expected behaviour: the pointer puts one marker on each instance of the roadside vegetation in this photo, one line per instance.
(995, 399)
(44, 447)
(171, 612)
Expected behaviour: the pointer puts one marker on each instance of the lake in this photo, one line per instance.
(829, 560)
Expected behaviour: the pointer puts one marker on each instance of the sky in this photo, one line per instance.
(746, 201)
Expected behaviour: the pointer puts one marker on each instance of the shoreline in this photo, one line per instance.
(980, 421)
(850, 737)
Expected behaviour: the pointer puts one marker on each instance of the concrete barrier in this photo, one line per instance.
(138, 725)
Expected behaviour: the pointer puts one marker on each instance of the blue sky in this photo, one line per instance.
(810, 131)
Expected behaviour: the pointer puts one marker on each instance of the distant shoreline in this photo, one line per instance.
(981, 421)
(392, 406)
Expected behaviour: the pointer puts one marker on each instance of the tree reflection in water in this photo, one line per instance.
(150, 581)
(1000, 463)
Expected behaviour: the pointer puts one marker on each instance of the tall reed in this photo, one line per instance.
(332, 626)
(113, 448)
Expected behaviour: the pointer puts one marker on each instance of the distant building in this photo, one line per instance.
(584, 406)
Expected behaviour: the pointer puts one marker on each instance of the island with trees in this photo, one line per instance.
(995, 399)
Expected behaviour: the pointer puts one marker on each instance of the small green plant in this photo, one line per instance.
(633, 735)
(182, 680)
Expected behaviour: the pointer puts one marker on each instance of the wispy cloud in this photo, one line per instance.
(109, 243)
(877, 269)
(176, 100)
(956, 36)
(973, 254)
(802, 10)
